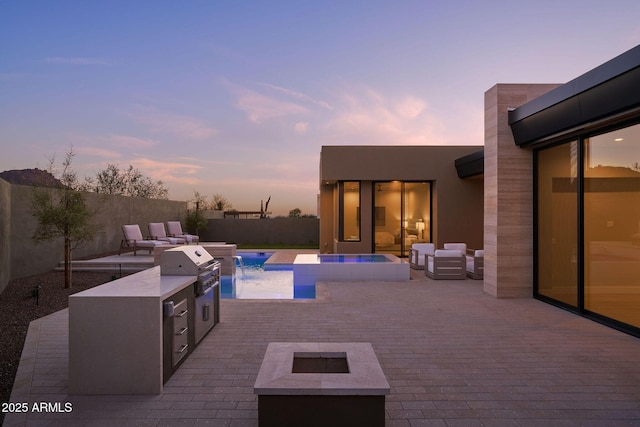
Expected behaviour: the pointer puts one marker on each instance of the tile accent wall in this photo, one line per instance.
(508, 195)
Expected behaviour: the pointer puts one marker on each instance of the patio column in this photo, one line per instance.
(508, 195)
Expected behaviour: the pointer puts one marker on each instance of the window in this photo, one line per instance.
(350, 211)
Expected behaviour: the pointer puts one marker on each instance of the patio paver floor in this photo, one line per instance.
(452, 355)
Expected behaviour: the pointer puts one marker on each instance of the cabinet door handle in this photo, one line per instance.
(182, 331)
(183, 348)
(182, 313)
(205, 312)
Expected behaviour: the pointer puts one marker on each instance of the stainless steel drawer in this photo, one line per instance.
(180, 332)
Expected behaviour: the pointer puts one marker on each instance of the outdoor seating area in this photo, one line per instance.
(134, 240)
(454, 262)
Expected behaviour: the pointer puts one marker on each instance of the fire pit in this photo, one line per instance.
(320, 384)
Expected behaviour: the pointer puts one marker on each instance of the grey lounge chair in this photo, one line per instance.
(157, 232)
(133, 240)
(175, 230)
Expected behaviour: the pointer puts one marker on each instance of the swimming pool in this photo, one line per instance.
(298, 281)
(253, 281)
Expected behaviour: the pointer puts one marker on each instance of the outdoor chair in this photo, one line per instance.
(133, 240)
(417, 254)
(475, 265)
(175, 230)
(445, 264)
(157, 232)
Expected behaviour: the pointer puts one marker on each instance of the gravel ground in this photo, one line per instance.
(19, 306)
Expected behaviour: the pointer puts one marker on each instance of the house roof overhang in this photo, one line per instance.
(606, 94)
(470, 165)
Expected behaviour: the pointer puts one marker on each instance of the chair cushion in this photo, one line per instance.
(156, 229)
(174, 227)
(479, 252)
(448, 253)
(462, 247)
(132, 232)
(424, 248)
(470, 264)
(150, 243)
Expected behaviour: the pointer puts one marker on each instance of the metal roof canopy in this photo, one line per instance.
(470, 165)
(610, 92)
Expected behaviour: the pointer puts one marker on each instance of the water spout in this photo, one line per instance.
(238, 261)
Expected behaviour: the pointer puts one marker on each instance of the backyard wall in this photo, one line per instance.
(270, 231)
(23, 257)
(5, 230)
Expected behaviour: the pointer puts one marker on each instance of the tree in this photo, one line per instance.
(195, 219)
(295, 213)
(130, 182)
(220, 203)
(62, 212)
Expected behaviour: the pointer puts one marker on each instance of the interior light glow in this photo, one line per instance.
(619, 139)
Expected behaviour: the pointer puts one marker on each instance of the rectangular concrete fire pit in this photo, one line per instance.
(320, 384)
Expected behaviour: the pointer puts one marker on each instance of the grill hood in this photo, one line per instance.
(188, 260)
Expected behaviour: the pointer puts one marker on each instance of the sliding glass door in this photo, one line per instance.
(402, 216)
(588, 225)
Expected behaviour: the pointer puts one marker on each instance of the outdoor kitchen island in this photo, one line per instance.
(129, 336)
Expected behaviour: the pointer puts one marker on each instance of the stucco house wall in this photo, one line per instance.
(457, 210)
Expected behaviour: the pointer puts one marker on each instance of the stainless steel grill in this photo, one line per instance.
(193, 260)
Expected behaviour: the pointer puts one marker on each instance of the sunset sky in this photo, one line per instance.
(237, 97)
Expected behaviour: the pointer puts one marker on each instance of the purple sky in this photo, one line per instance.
(237, 98)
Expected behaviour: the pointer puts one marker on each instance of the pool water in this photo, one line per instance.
(252, 281)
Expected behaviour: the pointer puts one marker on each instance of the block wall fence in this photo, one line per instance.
(20, 256)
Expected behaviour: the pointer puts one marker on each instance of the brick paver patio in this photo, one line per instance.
(452, 354)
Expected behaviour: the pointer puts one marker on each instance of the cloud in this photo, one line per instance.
(183, 173)
(301, 127)
(77, 61)
(130, 142)
(364, 115)
(298, 95)
(177, 125)
(98, 152)
(259, 107)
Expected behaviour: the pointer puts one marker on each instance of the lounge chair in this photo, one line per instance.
(445, 264)
(475, 265)
(157, 232)
(175, 230)
(133, 240)
(417, 254)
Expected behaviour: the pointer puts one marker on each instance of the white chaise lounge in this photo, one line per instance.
(445, 264)
(157, 232)
(133, 240)
(417, 254)
(175, 230)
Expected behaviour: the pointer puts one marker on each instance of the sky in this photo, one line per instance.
(237, 97)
